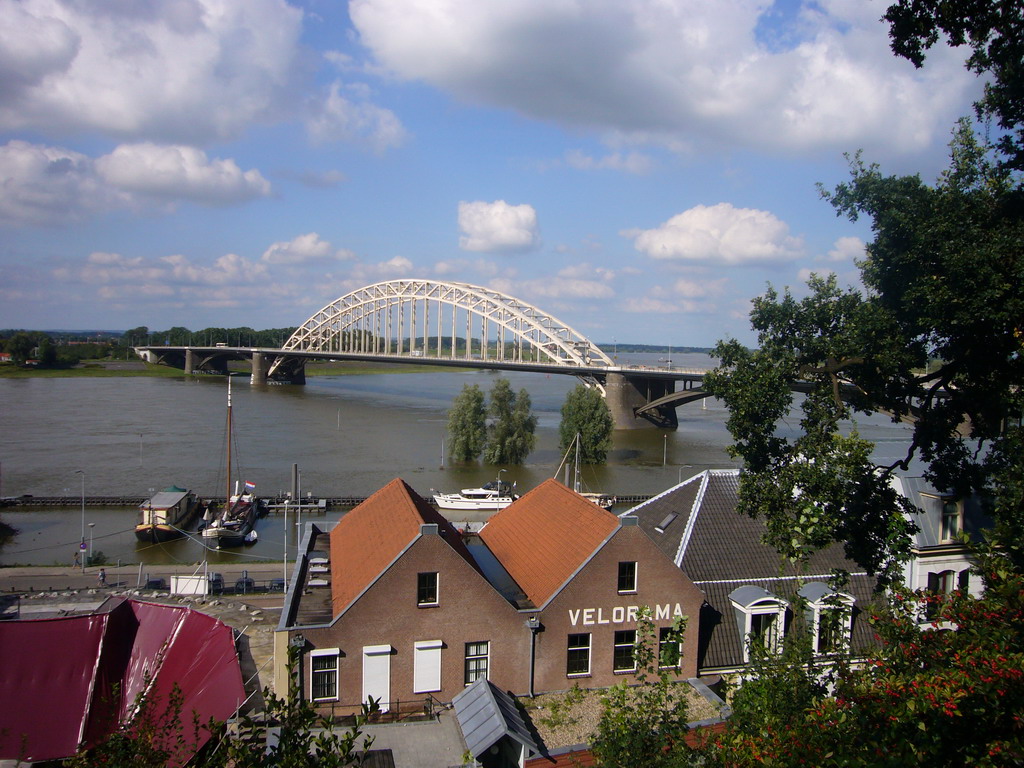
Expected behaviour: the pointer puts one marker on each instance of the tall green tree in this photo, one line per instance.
(467, 424)
(510, 433)
(994, 31)
(942, 277)
(585, 413)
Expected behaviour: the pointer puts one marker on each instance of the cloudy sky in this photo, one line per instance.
(638, 168)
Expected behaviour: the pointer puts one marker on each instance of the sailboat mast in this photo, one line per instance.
(576, 479)
(227, 495)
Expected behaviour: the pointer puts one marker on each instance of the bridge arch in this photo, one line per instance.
(413, 318)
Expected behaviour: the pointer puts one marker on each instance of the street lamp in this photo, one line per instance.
(80, 546)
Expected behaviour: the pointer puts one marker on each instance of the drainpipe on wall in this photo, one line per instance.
(534, 625)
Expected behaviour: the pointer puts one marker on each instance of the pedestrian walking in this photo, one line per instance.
(103, 577)
(78, 560)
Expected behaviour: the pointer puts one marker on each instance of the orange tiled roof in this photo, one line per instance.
(373, 534)
(543, 537)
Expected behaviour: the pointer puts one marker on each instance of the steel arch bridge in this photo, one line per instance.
(429, 318)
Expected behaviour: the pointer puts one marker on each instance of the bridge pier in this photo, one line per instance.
(190, 361)
(626, 392)
(260, 366)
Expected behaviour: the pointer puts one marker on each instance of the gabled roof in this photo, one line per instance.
(370, 537)
(722, 550)
(544, 537)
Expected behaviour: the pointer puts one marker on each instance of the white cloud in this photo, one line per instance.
(846, 249)
(719, 234)
(629, 162)
(676, 71)
(53, 185)
(691, 289)
(335, 118)
(182, 71)
(497, 227)
(304, 249)
(179, 173)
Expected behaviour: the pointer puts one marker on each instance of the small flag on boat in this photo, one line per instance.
(250, 486)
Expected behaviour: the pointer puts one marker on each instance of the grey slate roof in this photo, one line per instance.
(721, 550)
(928, 517)
(486, 714)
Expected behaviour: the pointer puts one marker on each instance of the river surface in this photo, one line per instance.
(349, 435)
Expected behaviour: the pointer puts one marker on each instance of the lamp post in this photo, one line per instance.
(81, 546)
(91, 526)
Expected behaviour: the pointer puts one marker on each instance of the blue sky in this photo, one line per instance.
(639, 169)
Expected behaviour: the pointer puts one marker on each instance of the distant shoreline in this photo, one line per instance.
(128, 368)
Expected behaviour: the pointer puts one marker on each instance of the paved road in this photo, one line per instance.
(28, 579)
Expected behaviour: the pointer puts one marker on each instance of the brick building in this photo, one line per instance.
(397, 604)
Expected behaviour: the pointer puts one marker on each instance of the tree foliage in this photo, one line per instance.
(467, 424)
(927, 697)
(157, 735)
(585, 413)
(644, 726)
(510, 433)
(935, 340)
(994, 30)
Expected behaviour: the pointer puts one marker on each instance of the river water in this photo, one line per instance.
(349, 435)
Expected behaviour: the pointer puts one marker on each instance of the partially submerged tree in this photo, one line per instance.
(467, 424)
(585, 413)
(510, 434)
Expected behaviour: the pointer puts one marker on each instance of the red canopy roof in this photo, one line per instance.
(70, 681)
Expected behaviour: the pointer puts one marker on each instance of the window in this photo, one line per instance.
(830, 616)
(323, 675)
(476, 661)
(763, 629)
(760, 617)
(831, 635)
(669, 648)
(577, 661)
(627, 577)
(426, 674)
(950, 519)
(622, 657)
(426, 589)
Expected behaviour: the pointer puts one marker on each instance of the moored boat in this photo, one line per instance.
(494, 495)
(166, 514)
(235, 524)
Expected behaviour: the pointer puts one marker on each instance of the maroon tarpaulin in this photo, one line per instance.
(70, 681)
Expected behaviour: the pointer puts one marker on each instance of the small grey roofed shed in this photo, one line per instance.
(486, 714)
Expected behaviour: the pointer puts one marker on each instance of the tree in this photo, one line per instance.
(644, 726)
(941, 278)
(20, 346)
(995, 33)
(467, 424)
(47, 352)
(585, 413)
(510, 435)
(926, 697)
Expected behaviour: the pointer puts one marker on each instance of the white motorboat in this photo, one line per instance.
(494, 495)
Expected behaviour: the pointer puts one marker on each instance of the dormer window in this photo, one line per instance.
(952, 520)
(760, 618)
(830, 617)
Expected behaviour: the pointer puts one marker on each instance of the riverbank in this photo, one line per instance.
(92, 369)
